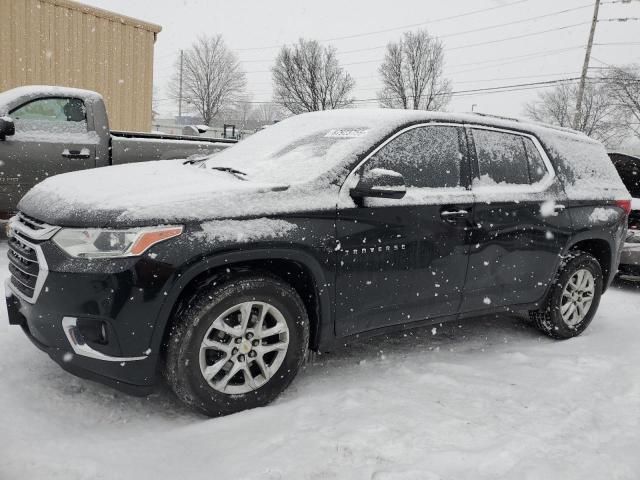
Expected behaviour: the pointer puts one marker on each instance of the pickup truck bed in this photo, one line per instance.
(129, 147)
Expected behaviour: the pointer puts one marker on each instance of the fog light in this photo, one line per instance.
(93, 331)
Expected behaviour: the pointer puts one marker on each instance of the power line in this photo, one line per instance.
(471, 81)
(455, 34)
(401, 27)
(473, 12)
(487, 90)
(470, 45)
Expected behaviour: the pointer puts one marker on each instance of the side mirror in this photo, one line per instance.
(380, 183)
(6, 127)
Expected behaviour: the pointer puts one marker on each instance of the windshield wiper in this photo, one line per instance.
(195, 159)
(232, 171)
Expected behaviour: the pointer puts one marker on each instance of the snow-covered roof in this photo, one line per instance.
(15, 97)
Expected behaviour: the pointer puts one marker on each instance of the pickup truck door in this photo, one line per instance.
(52, 137)
(405, 260)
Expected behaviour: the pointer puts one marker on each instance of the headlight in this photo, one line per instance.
(102, 243)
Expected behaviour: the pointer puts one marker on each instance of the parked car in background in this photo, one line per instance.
(628, 167)
(46, 130)
(218, 275)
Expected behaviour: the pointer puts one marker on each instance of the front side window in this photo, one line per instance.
(51, 115)
(427, 157)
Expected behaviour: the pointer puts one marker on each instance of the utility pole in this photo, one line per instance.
(180, 94)
(585, 67)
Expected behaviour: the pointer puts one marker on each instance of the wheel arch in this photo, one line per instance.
(298, 268)
(600, 247)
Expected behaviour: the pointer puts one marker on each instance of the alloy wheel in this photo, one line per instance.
(577, 297)
(244, 347)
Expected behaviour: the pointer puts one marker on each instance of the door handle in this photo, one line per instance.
(84, 153)
(453, 214)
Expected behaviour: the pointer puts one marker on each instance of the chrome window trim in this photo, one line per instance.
(84, 350)
(432, 191)
(537, 187)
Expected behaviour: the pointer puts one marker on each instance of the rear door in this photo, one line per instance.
(520, 223)
(405, 260)
(52, 136)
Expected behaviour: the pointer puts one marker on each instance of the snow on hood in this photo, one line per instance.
(157, 192)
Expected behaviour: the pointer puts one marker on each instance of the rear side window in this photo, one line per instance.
(425, 156)
(507, 158)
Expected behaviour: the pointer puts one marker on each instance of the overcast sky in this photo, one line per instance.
(360, 29)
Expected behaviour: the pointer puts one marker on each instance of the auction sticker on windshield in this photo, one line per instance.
(347, 132)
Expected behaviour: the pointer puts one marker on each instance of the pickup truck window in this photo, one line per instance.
(44, 113)
(425, 157)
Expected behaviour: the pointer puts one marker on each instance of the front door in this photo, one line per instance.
(405, 260)
(52, 137)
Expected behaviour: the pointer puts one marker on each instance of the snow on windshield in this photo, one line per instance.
(305, 147)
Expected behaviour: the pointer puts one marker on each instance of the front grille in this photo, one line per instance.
(31, 222)
(27, 266)
(23, 265)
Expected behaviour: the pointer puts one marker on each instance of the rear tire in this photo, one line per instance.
(573, 298)
(238, 345)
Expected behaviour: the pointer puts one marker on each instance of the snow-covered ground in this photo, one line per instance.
(489, 398)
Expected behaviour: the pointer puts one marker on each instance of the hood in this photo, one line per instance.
(149, 193)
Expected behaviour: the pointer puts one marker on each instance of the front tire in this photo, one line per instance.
(238, 345)
(573, 298)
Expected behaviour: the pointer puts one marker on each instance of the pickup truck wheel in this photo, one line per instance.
(573, 298)
(238, 345)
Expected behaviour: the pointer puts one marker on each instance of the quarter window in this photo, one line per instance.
(425, 156)
(537, 168)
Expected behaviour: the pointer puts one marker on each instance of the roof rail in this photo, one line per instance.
(532, 122)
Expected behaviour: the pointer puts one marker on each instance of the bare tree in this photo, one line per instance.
(412, 74)
(599, 118)
(307, 77)
(268, 112)
(624, 88)
(211, 77)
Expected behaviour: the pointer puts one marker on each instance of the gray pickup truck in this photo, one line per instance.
(47, 130)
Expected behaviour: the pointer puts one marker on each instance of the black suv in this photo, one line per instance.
(219, 273)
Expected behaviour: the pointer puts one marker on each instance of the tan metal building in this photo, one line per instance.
(62, 42)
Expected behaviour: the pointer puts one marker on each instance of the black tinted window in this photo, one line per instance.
(502, 157)
(425, 156)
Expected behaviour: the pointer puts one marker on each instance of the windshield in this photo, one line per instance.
(296, 150)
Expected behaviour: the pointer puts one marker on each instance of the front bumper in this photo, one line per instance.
(133, 377)
(126, 300)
